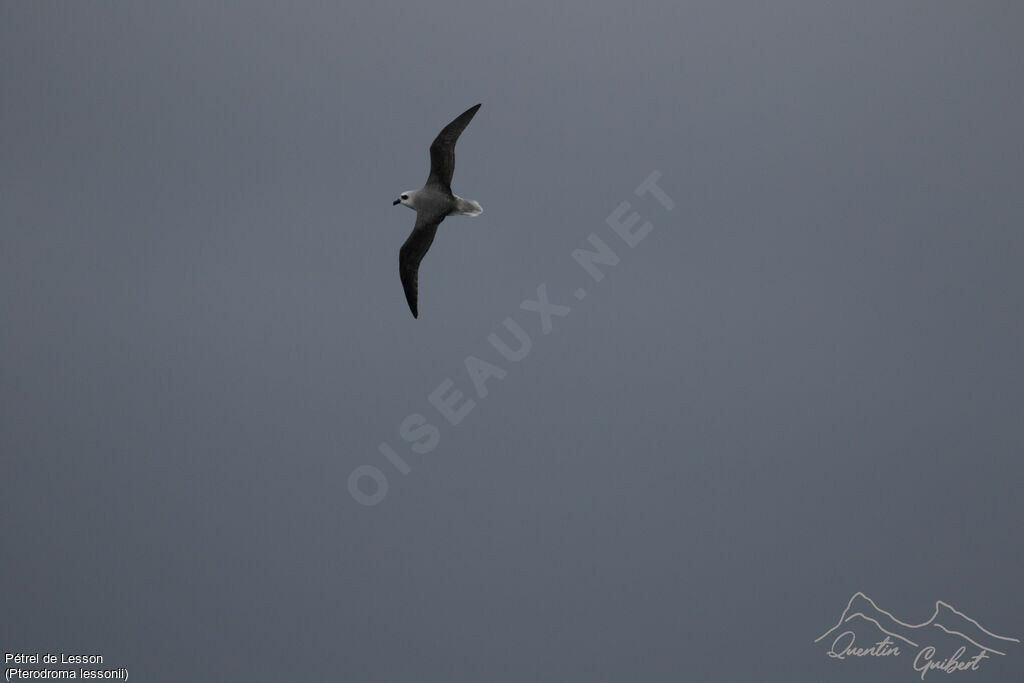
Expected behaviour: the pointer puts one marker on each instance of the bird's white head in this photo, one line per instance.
(407, 198)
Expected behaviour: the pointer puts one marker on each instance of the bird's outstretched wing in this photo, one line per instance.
(412, 253)
(442, 150)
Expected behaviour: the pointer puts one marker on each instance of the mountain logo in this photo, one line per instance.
(949, 641)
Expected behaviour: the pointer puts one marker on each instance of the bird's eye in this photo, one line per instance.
(405, 196)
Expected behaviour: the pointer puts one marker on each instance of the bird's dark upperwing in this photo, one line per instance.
(412, 253)
(442, 150)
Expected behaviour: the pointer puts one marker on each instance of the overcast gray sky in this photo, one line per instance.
(802, 382)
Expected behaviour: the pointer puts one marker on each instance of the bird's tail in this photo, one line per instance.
(467, 207)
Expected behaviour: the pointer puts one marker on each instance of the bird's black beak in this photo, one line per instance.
(396, 202)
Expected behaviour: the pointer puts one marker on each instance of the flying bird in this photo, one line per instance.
(433, 203)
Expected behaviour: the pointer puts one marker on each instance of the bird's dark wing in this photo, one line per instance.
(442, 150)
(412, 253)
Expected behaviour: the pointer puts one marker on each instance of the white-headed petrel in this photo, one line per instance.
(432, 203)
